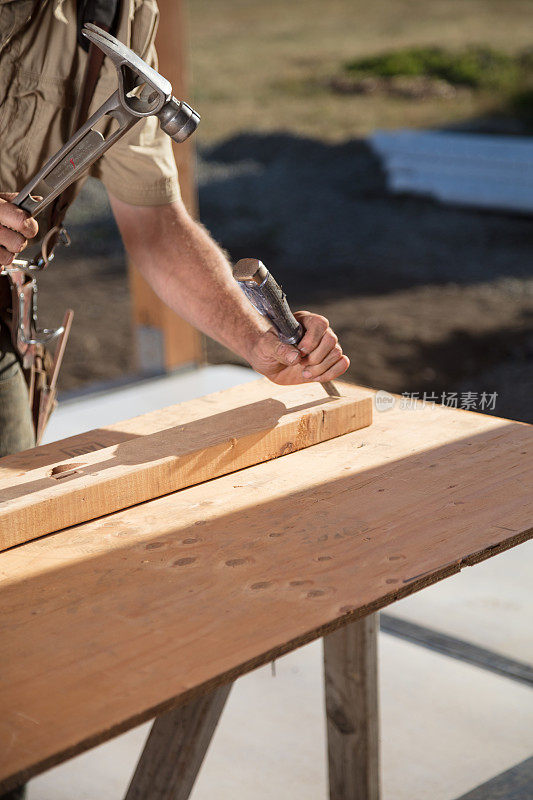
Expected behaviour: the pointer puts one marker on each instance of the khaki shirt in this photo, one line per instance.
(41, 71)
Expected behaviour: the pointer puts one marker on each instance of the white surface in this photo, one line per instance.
(446, 728)
(488, 604)
(103, 408)
(479, 170)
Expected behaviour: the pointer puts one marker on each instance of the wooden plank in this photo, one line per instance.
(164, 340)
(172, 44)
(115, 621)
(175, 749)
(177, 447)
(352, 714)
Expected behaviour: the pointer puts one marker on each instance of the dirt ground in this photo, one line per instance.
(425, 298)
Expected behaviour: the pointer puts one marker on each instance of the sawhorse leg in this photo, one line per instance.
(175, 749)
(179, 739)
(351, 677)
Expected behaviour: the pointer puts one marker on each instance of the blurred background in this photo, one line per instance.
(417, 249)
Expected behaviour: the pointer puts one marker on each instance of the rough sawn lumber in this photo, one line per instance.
(71, 481)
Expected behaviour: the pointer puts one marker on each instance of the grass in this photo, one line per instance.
(265, 66)
(481, 69)
(476, 67)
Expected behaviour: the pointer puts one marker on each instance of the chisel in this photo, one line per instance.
(267, 296)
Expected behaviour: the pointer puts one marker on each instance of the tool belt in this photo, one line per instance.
(18, 291)
(18, 282)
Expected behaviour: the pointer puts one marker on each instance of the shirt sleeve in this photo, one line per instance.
(140, 168)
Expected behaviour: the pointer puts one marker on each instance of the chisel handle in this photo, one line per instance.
(267, 296)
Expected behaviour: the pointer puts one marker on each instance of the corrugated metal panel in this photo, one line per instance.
(485, 171)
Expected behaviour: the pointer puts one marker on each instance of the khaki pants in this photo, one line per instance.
(16, 426)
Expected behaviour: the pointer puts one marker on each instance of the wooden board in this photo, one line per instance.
(42, 491)
(109, 623)
(165, 340)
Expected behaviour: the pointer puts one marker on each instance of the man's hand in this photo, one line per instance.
(16, 227)
(318, 357)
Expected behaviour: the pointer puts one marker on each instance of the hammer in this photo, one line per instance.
(142, 92)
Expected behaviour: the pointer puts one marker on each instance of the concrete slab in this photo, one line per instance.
(488, 605)
(447, 728)
(456, 648)
(103, 407)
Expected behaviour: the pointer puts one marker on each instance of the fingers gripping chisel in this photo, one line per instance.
(267, 296)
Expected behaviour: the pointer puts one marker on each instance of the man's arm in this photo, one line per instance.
(192, 276)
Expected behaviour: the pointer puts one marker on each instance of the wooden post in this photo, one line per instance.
(175, 749)
(164, 340)
(351, 677)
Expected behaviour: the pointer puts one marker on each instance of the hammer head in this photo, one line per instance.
(143, 92)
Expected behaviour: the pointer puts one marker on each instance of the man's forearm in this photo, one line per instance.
(189, 272)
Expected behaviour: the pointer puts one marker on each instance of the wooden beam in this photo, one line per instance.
(177, 447)
(164, 340)
(173, 53)
(351, 678)
(176, 747)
